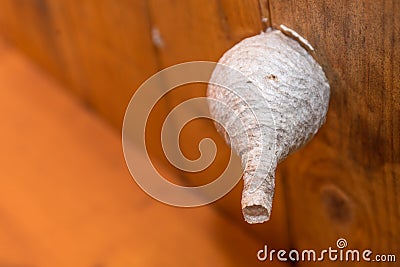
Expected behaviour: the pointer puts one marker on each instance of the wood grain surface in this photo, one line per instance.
(343, 184)
(67, 198)
(104, 51)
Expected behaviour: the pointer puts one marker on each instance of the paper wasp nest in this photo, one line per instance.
(276, 103)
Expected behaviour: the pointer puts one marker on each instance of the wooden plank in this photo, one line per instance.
(105, 51)
(36, 38)
(345, 182)
(101, 50)
(115, 51)
(66, 198)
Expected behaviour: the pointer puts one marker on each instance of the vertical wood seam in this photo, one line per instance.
(265, 13)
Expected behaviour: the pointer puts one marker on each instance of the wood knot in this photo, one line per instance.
(337, 204)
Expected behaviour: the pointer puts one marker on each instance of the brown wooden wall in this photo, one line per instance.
(345, 183)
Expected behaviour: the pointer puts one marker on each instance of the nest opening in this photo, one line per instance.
(255, 214)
